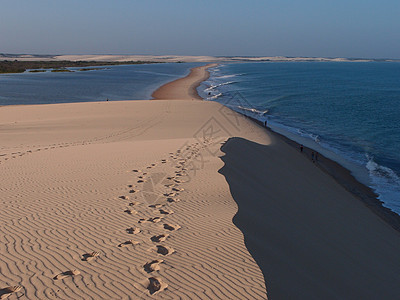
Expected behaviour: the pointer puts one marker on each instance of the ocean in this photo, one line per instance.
(348, 111)
(124, 82)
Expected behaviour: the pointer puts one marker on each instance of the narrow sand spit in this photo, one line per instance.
(220, 209)
(184, 88)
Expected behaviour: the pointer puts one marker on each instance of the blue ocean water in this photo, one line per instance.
(124, 82)
(349, 111)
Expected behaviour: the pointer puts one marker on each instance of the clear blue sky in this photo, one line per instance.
(352, 28)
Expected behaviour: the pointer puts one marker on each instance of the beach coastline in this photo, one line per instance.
(178, 199)
(184, 88)
(338, 172)
(344, 177)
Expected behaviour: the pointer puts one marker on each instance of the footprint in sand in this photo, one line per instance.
(164, 250)
(128, 243)
(7, 291)
(130, 186)
(170, 194)
(156, 205)
(133, 230)
(178, 189)
(132, 191)
(150, 220)
(124, 197)
(134, 203)
(153, 265)
(156, 285)
(136, 171)
(130, 211)
(172, 200)
(159, 238)
(140, 181)
(90, 256)
(171, 227)
(66, 274)
(166, 212)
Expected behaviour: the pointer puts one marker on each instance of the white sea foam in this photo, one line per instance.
(229, 76)
(386, 183)
(253, 110)
(314, 137)
(215, 96)
(212, 87)
(377, 170)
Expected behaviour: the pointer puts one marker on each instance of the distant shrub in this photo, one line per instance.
(21, 66)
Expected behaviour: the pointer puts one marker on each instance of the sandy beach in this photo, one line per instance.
(173, 199)
(184, 88)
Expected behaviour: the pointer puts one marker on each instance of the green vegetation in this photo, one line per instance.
(91, 69)
(37, 71)
(7, 66)
(61, 70)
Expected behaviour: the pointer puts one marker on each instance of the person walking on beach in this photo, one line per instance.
(316, 156)
(301, 148)
(312, 156)
(265, 123)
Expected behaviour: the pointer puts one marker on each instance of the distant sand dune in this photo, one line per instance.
(170, 58)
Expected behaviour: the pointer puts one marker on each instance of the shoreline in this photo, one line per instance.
(343, 176)
(187, 87)
(339, 173)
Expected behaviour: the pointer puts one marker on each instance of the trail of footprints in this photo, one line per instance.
(35, 148)
(6, 154)
(169, 195)
(171, 183)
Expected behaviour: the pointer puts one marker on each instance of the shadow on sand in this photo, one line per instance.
(309, 238)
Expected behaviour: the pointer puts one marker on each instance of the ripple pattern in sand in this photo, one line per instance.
(68, 233)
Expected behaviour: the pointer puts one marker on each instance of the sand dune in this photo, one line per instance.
(67, 186)
(168, 58)
(177, 199)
